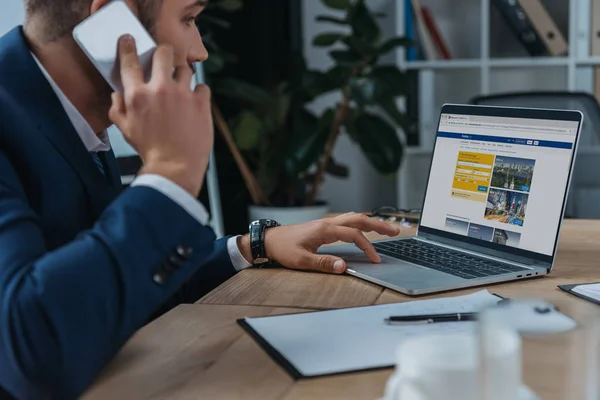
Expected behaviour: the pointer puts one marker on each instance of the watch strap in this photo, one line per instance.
(257, 240)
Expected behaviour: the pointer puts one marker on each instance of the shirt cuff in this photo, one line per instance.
(237, 259)
(176, 193)
(190, 204)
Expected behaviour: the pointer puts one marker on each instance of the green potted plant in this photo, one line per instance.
(284, 150)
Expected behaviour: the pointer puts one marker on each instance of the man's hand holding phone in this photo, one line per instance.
(167, 123)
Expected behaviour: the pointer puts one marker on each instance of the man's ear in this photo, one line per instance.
(98, 4)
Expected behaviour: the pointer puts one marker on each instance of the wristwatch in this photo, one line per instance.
(257, 240)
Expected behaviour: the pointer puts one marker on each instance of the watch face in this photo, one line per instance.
(265, 222)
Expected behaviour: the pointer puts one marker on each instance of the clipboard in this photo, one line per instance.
(569, 289)
(302, 344)
(271, 351)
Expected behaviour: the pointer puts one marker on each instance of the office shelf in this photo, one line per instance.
(444, 64)
(523, 62)
(487, 59)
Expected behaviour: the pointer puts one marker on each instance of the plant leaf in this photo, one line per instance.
(359, 46)
(315, 83)
(353, 114)
(391, 109)
(205, 20)
(391, 44)
(363, 23)
(228, 57)
(391, 80)
(378, 141)
(339, 75)
(307, 142)
(283, 108)
(277, 114)
(297, 71)
(337, 4)
(364, 90)
(335, 169)
(333, 20)
(381, 83)
(244, 92)
(247, 130)
(345, 57)
(229, 5)
(327, 39)
(214, 63)
(210, 43)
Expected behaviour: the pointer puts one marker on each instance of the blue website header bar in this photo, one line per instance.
(504, 139)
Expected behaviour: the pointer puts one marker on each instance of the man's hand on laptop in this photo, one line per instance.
(166, 122)
(295, 246)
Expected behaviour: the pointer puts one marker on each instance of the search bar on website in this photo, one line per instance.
(511, 127)
(470, 164)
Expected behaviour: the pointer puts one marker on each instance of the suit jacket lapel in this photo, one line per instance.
(113, 170)
(21, 76)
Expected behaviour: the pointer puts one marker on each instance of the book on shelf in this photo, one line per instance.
(532, 25)
(421, 27)
(546, 28)
(425, 40)
(433, 30)
(409, 32)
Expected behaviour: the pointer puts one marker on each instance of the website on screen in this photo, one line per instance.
(501, 180)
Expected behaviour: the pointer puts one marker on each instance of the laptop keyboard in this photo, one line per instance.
(445, 260)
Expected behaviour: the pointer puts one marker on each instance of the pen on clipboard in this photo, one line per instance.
(430, 319)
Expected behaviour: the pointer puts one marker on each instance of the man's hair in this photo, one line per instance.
(59, 17)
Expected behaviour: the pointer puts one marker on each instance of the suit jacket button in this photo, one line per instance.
(158, 278)
(175, 261)
(184, 251)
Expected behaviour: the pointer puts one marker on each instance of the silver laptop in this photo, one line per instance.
(493, 205)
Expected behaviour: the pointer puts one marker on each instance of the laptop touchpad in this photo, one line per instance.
(348, 252)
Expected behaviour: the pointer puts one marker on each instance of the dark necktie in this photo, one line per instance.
(100, 161)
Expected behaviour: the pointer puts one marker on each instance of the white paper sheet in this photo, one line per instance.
(329, 342)
(592, 290)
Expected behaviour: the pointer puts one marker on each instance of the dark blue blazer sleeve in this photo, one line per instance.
(65, 313)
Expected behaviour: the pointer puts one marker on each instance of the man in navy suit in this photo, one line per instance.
(83, 265)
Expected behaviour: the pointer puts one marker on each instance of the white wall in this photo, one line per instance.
(12, 14)
(365, 188)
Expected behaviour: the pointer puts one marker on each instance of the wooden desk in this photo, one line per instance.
(199, 352)
(578, 261)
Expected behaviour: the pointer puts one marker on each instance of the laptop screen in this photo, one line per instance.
(500, 179)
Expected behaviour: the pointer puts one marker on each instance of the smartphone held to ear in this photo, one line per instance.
(98, 37)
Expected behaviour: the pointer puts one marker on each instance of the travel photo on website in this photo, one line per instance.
(506, 206)
(513, 173)
(500, 180)
(509, 187)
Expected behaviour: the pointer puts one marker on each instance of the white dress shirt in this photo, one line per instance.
(95, 143)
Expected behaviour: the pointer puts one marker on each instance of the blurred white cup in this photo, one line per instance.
(446, 367)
